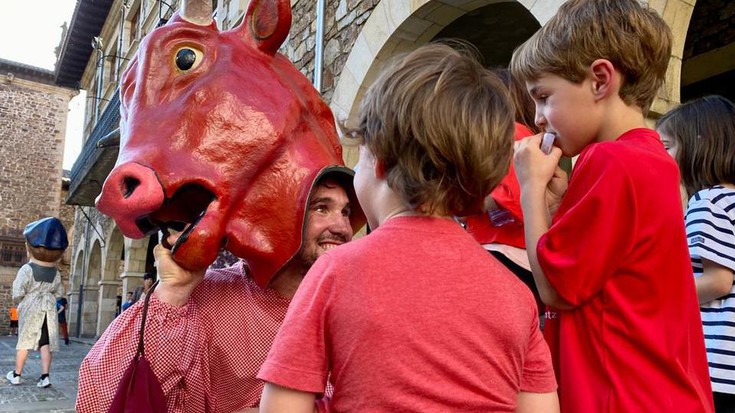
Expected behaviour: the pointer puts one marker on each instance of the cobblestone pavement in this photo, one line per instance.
(26, 397)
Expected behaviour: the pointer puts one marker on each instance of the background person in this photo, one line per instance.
(61, 305)
(128, 301)
(148, 279)
(500, 227)
(700, 135)
(35, 289)
(13, 321)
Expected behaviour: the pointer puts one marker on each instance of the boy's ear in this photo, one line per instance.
(379, 169)
(605, 79)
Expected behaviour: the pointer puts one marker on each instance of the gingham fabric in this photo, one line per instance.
(206, 354)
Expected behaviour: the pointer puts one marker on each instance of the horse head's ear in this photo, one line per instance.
(268, 23)
(197, 11)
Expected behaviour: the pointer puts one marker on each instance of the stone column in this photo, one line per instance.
(107, 304)
(71, 313)
(89, 312)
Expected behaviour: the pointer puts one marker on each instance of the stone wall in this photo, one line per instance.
(343, 21)
(66, 215)
(32, 123)
(32, 129)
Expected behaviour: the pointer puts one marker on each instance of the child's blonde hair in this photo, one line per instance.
(704, 133)
(442, 125)
(633, 37)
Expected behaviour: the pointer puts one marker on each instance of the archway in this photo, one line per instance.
(73, 293)
(110, 285)
(708, 56)
(91, 287)
(396, 27)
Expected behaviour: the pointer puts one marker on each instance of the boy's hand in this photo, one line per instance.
(555, 189)
(176, 283)
(536, 170)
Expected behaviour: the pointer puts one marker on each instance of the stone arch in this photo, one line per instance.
(76, 272)
(707, 49)
(94, 265)
(394, 27)
(114, 255)
(91, 281)
(73, 293)
(110, 283)
(676, 13)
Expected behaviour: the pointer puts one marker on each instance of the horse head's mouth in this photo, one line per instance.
(181, 213)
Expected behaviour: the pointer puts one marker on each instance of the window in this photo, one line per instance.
(12, 252)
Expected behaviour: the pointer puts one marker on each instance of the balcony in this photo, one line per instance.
(94, 164)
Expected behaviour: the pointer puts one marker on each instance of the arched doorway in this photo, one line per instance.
(708, 58)
(396, 27)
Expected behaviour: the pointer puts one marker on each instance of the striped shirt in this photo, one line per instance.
(710, 224)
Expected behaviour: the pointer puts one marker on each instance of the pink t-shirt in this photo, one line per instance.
(617, 252)
(416, 316)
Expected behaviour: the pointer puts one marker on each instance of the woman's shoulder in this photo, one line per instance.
(722, 196)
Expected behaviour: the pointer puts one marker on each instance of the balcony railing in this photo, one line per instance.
(93, 164)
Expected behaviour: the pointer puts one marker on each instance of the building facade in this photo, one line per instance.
(33, 114)
(359, 36)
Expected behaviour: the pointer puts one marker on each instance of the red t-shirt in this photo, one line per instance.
(416, 316)
(617, 251)
(506, 225)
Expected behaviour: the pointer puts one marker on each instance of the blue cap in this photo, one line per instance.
(48, 233)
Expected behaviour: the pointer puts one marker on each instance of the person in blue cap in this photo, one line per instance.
(35, 290)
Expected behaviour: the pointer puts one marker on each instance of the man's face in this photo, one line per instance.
(327, 221)
(147, 283)
(129, 296)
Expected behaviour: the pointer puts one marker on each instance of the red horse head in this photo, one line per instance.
(220, 131)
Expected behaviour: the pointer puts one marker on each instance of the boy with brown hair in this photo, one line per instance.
(612, 265)
(416, 316)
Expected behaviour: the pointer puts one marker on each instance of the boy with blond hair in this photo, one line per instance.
(416, 316)
(612, 265)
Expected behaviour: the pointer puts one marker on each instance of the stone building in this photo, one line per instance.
(359, 36)
(33, 114)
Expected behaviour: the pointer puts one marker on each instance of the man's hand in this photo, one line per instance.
(176, 284)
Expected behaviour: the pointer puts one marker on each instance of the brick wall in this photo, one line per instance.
(32, 128)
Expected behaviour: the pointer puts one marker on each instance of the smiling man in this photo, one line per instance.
(206, 335)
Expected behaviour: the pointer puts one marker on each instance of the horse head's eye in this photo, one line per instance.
(188, 59)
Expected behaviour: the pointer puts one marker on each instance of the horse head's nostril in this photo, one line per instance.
(129, 185)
